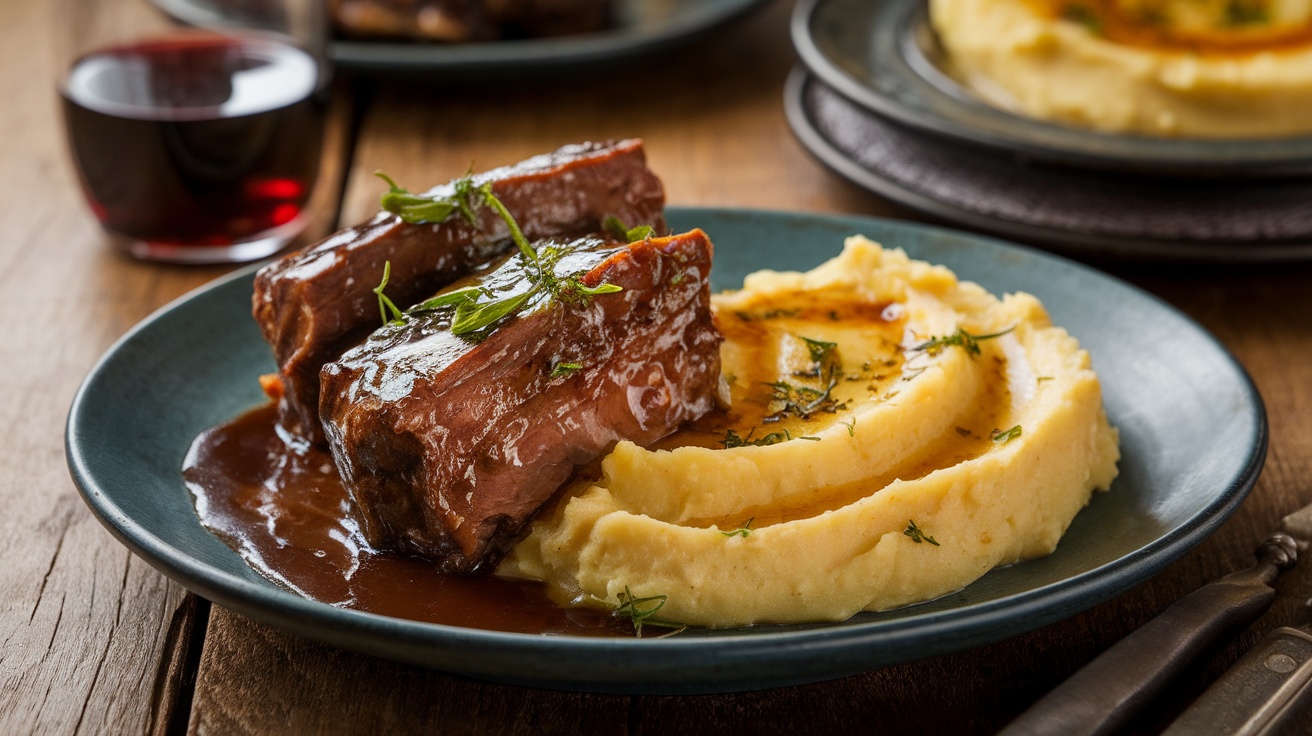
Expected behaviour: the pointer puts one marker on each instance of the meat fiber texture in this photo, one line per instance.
(450, 444)
(313, 304)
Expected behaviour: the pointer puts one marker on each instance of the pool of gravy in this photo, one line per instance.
(281, 505)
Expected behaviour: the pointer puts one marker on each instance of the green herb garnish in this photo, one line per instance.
(471, 316)
(564, 369)
(418, 209)
(743, 530)
(385, 304)
(917, 534)
(620, 231)
(802, 401)
(825, 362)
(642, 611)
(732, 439)
(454, 298)
(1001, 437)
(771, 314)
(960, 338)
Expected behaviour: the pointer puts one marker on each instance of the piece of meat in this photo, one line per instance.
(313, 304)
(450, 444)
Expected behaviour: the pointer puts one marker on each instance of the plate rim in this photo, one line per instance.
(545, 54)
(1187, 157)
(846, 648)
(691, 21)
(1070, 241)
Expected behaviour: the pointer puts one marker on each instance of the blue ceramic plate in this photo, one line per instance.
(1168, 386)
(642, 28)
(883, 55)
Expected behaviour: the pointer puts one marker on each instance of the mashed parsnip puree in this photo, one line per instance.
(890, 435)
(1188, 68)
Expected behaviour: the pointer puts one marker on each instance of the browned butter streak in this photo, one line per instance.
(1142, 23)
(282, 506)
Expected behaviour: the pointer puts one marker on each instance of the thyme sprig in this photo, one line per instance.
(825, 362)
(564, 369)
(1004, 436)
(917, 534)
(960, 338)
(471, 315)
(385, 304)
(419, 209)
(732, 439)
(620, 231)
(741, 531)
(642, 611)
(802, 401)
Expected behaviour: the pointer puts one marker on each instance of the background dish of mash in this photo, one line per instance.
(1193, 437)
(882, 55)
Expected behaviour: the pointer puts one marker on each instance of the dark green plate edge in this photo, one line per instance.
(737, 660)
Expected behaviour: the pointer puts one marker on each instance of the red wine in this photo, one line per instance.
(195, 140)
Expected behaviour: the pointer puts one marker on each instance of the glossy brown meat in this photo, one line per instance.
(315, 303)
(449, 445)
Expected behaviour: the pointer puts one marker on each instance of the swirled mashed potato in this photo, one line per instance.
(891, 434)
(1193, 68)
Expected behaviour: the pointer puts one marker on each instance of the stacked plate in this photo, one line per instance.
(872, 102)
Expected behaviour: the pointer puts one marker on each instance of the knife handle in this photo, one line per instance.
(1102, 696)
(1268, 691)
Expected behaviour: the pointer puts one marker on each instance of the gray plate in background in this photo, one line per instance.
(881, 55)
(1168, 385)
(1083, 212)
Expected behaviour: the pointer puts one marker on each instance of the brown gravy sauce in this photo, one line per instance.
(280, 503)
(282, 506)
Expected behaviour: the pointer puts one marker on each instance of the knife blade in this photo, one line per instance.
(1102, 696)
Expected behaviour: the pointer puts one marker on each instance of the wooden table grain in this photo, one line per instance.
(93, 640)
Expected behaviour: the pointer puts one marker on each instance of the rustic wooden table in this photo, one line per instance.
(93, 640)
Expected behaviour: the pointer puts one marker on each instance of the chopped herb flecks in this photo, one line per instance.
(642, 611)
(917, 534)
(564, 369)
(471, 316)
(732, 439)
(1003, 436)
(788, 399)
(960, 338)
(620, 231)
(741, 531)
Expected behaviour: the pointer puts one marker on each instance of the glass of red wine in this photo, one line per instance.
(195, 126)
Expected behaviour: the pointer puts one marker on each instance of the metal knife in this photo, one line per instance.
(1101, 697)
(1268, 690)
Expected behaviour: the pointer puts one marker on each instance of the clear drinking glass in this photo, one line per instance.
(196, 126)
